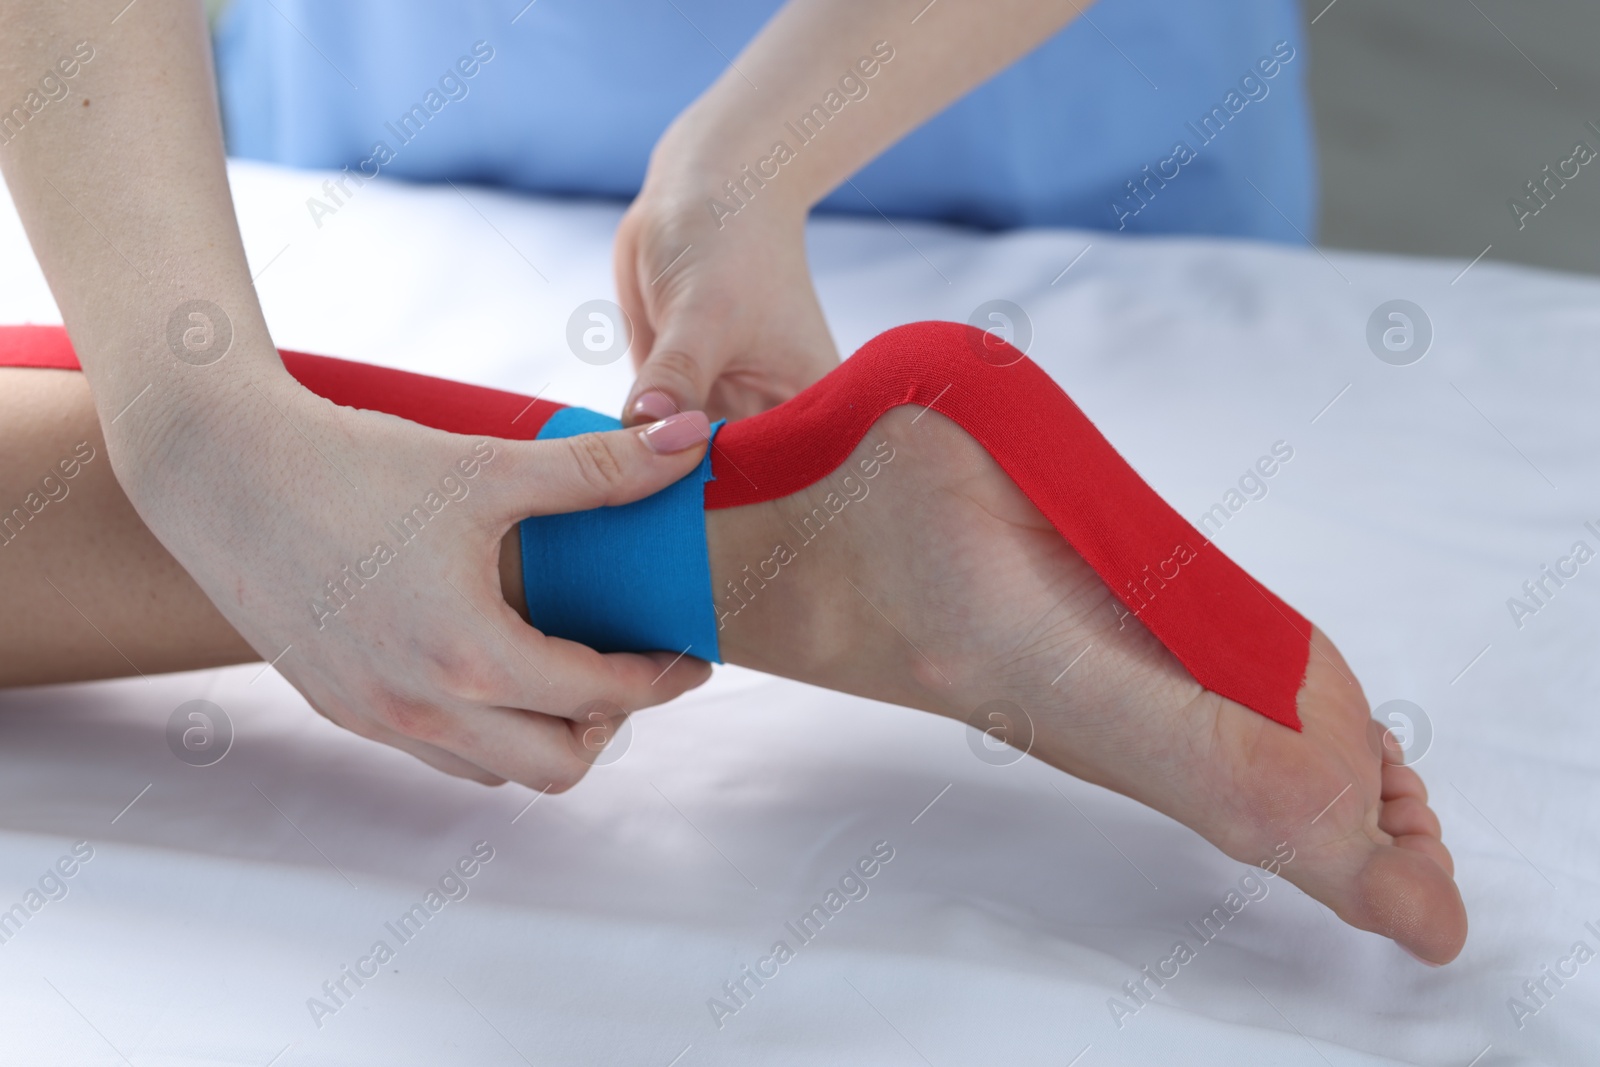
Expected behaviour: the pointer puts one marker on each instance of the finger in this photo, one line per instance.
(437, 758)
(625, 267)
(539, 751)
(596, 730)
(558, 677)
(630, 680)
(595, 470)
(675, 376)
(678, 674)
(542, 752)
(432, 755)
(512, 744)
(525, 668)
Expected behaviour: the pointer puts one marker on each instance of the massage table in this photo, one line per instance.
(220, 903)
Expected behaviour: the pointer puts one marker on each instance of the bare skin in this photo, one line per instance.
(963, 594)
(725, 315)
(244, 476)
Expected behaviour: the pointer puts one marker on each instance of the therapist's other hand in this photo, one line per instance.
(725, 317)
(359, 553)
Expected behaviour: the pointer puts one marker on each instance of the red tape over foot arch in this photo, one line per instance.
(1234, 635)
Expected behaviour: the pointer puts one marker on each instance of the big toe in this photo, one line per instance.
(1404, 893)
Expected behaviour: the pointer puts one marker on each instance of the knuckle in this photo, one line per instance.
(566, 773)
(597, 462)
(673, 367)
(459, 670)
(411, 718)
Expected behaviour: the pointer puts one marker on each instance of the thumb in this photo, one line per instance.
(593, 470)
(673, 377)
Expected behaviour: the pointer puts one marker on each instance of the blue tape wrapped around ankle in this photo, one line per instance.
(631, 578)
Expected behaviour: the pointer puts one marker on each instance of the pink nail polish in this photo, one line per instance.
(653, 406)
(683, 430)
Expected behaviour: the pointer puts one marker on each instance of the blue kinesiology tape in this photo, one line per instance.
(631, 578)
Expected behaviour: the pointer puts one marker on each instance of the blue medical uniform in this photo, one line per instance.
(1146, 116)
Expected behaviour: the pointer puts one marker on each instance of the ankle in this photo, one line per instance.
(763, 620)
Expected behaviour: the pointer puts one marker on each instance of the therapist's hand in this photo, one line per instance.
(287, 510)
(268, 495)
(725, 318)
(734, 323)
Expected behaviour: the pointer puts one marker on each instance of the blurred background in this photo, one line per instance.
(1432, 114)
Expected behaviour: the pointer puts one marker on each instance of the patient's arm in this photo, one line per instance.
(938, 587)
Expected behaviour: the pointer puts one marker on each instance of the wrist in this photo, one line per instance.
(166, 357)
(703, 160)
(163, 428)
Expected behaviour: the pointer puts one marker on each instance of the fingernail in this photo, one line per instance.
(683, 430)
(653, 406)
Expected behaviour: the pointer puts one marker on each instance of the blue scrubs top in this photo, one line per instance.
(1145, 116)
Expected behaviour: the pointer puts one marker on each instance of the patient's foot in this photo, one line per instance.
(934, 583)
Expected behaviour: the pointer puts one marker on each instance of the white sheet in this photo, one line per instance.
(223, 898)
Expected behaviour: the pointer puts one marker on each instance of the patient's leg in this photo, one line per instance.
(942, 588)
(88, 590)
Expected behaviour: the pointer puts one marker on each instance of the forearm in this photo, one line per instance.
(804, 52)
(120, 182)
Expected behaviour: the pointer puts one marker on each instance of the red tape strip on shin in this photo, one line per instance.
(1233, 634)
(440, 403)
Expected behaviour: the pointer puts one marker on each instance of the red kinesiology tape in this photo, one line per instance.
(1233, 634)
(1236, 637)
(454, 407)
